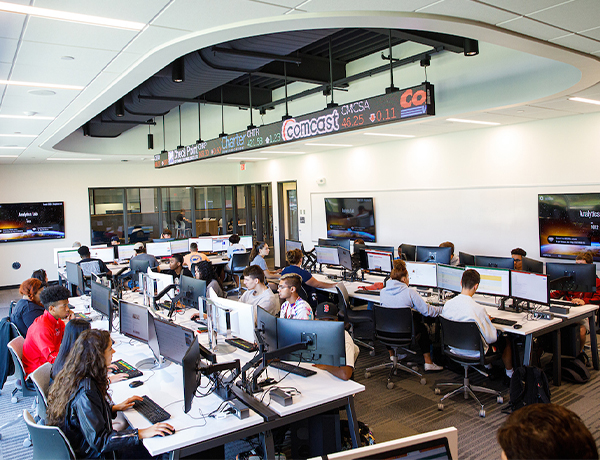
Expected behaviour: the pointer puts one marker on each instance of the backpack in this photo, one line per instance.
(528, 385)
(573, 370)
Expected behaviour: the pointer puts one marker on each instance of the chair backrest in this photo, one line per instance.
(239, 261)
(41, 380)
(49, 442)
(464, 335)
(137, 266)
(393, 323)
(343, 300)
(15, 346)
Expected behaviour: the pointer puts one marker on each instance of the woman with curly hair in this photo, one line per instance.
(80, 405)
(29, 307)
(204, 270)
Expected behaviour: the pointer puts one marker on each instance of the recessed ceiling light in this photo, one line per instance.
(582, 99)
(18, 135)
(388, 135)
(288, 153)
(460, 120)
(26, 117)
(70, 17)
(14, 147)
(73, 159)
(9, 156)
(331, 145)
(39, 85)
(246, 159)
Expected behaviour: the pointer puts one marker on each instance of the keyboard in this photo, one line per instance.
(504, 322)
(364, 291)
(292, 368)
(242, 344)
(567, 303)
(126, 368)
(83, 316)
(152, 411)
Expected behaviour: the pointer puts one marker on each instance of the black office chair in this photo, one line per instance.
(239, 262)
(465, 336)
(394, 328)
(354, 317)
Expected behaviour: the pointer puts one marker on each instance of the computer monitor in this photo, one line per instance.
(327, 255)
(192, 288)
(378, 261)
(532, 266)
(241, 318)
(220, 243)
(189, 363)
(67, 255)
(105, 254)
(159, 249)
(326, 341)
(204, 243)
(139, 266)
(126, 251)
(422, 274)
(75, 276)
(409, 251)
(495, 262)
(571, 277)
(344, 258)
(173, 339)
(133, 321)
(434, 254)
(162, 281)
(179, 246)
(292, 244)
(531, 287)
(343, 242)
(494, 281)
(246, 240)
(266, 324)
(101, 299)
(465, 259)
(449, 277)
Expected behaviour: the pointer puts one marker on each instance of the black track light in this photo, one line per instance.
(86, 130)
(178, 74)
(471, 47)
(120, 107)
(150, 140)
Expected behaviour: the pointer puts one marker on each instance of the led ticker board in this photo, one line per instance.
(402, 105)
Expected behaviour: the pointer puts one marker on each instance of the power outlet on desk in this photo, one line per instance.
(543, 315)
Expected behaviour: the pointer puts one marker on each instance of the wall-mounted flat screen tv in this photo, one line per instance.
(569, 224)
(350, 218)
(32, 221)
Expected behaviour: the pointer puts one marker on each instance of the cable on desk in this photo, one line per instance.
(148, 376)
(171, 403)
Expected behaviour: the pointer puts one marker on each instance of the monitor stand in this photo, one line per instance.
(222, 348)
(152, 363)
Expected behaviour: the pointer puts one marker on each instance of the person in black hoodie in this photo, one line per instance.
(80, 406)
(29, 307)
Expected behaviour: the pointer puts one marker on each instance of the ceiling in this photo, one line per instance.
(103, 64)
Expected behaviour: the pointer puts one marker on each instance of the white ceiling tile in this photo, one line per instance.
(532, 28)
(80, 76)
(577, 42)
(18, 99)
(570, 106)
(524, 7)
(4, 71)
(574, 16)
(382, 5)
(122, 62)
(10, 126)
(11, 25)
(84, 36)
(528, 111)
(592, 33)
(591, 92)
(45, 55)
(152, 37)
(8, 48)
(283, 4)
(469, 10)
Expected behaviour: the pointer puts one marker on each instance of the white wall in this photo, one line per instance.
(477, 188)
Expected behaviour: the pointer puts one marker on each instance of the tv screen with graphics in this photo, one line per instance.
(32, 221)
(350, 218)
(569, 224)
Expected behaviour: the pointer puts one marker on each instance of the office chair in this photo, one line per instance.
(394, 328)
(239, 262)
(353, 317)
(49, 442)
(15, 347)
(466, 336)
(41, 381)
(135, 268)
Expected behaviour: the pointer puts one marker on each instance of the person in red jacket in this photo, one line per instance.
(46, 332)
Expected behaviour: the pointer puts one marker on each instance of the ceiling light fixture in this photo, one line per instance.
(26, 117)
(39, 85)
(287, 153)
(18, 135)
(178, 71)
(71, 17)
(120, 107)
(150, 139)
(388, 135)
(12, 147)
(73, 159)
(470, 47)
(9, 156)
(582, 99)
(332, 145)
(246, 159)
(460, 120)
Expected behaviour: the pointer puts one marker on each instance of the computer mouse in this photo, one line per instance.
(517, 326)
(136, 383)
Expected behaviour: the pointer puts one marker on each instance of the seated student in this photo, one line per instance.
(517, 255)
(114, 243)
(397, 294)
(293, 306)
(45, 334)
(235, 245)
(258, 294)
(329, 312)
(309, 283)
(41, 275)
(176, 268)
(167, 234)
(463, 308)
(79, 403)
(545, 431)
(204, 270)
(194, 256)
(581, 298)
(453, 258)
(73, 330)
(140, 254)
(257, 257)
(89, 265)
(29, 307)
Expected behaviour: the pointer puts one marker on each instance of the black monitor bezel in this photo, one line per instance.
(509, 262)
(567, 286)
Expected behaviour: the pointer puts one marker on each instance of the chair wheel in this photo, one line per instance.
(367, 374)
(390, 385)
(482, 413)
(437, 391)
(14, 400)
(500, 400)
(395, 371)
(440, 406)
(423, 381)
(372, 353)
(27, 442)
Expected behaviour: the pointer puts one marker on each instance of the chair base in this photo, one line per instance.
(394, 366)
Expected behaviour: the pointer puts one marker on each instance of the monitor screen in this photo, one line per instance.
(571, 277)
(434, 254)
(495, 262)
(179, 246)
(494, 281)
(422, 274)
(350, 218)
(70, 255)
(75, 276)
(292, 244)
(241, 318)
(532, 287)
(101, 299)
(531, 265)
(344, 258)
(161, 249)
(246, 241)
(327, 255)
(105, 254)
(343, 242)
(126, 251)
(133, 321)
(409, 251)
(173, 339)
(31, 221)
(569, 225)
(204, 244)
(220, 243)
(449, 277)
(192, 288)
(465, 259)
(379, 261)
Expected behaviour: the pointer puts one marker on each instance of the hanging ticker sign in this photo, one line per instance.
(402, 105)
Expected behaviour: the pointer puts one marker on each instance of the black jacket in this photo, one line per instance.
(7, 366)
(88, 424)
(24, 314)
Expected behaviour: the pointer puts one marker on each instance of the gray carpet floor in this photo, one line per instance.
(409, 408)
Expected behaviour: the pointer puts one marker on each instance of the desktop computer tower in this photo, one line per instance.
(316, 436)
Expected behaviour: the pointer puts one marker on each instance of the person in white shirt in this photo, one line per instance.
(463, 308)
(259, 295)
(294, 307)
(235, 245)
